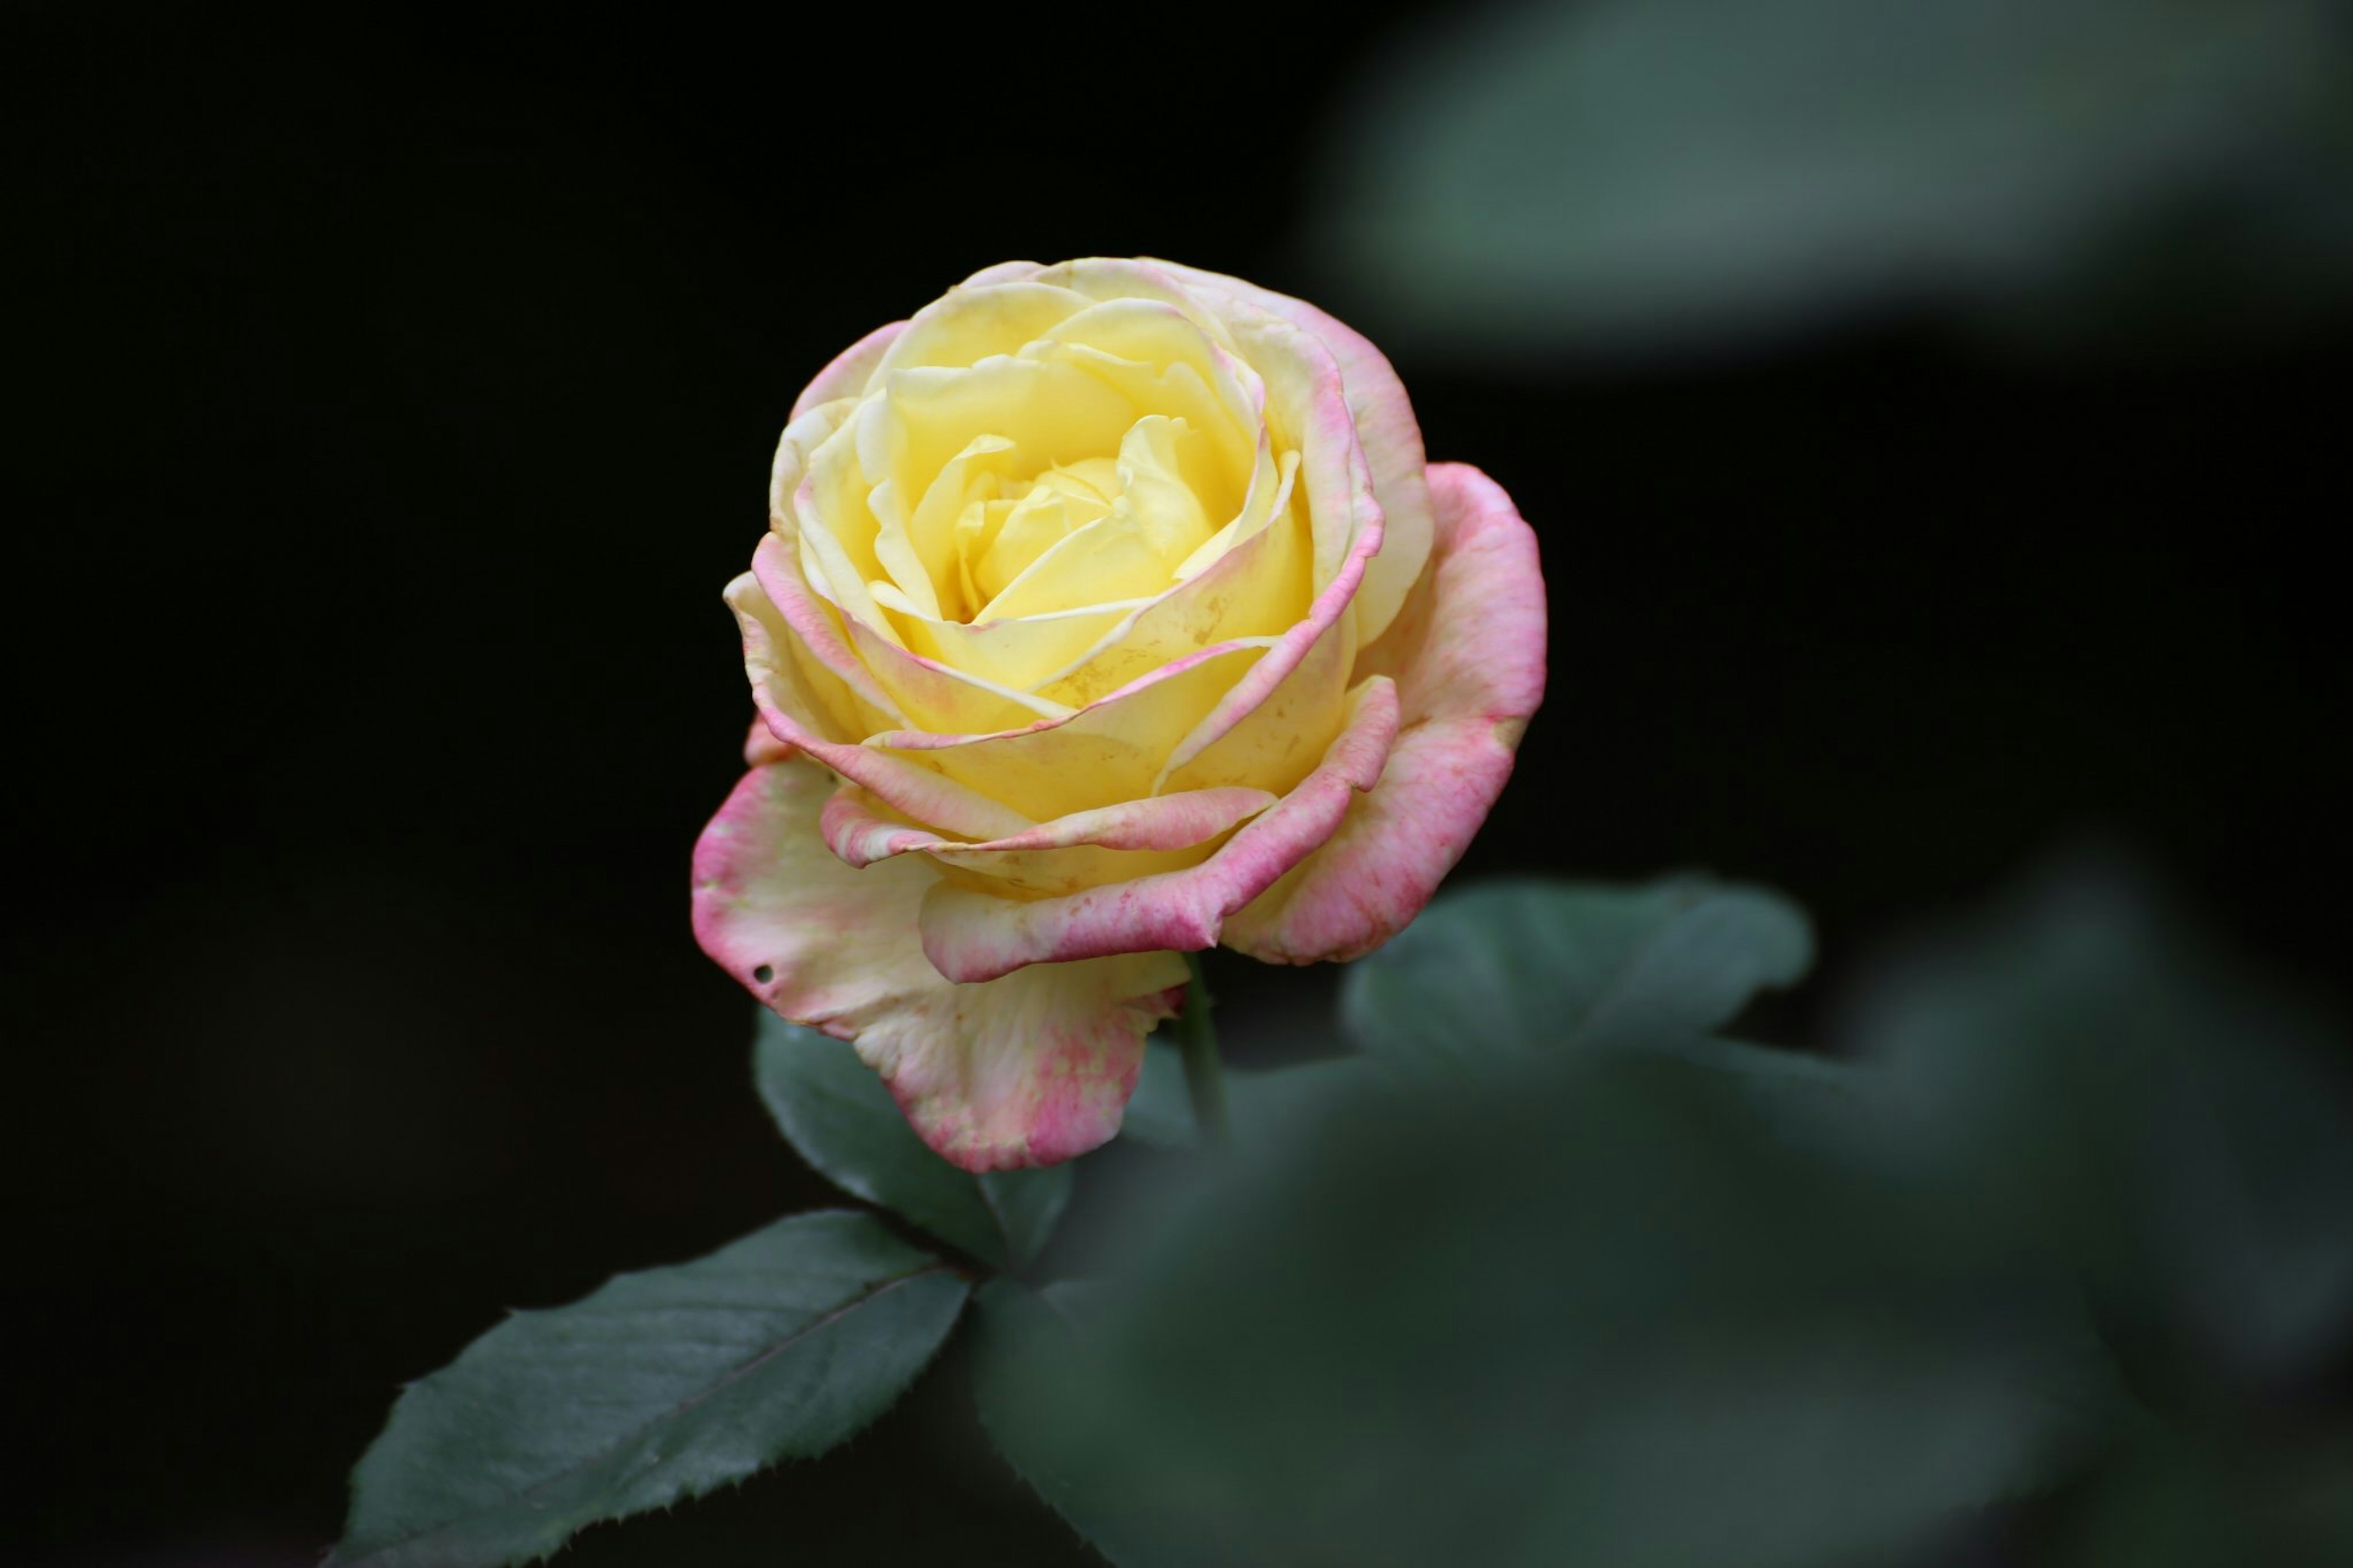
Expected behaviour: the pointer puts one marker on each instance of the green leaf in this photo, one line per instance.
(1160, 1112)
(1596, 1309)
(2164, 1501)
(1018, 1332)
(658, 1387)
(2177, 1497)
(1622, 175)
(1512, 970)
(836, 1111)
(2179, 1126)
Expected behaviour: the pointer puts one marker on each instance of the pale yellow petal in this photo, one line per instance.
(1051, 410)
(1153, 523)
(1256, 587)
(946, 699)
(968, 324)
(973, 477)
(1012, 536)
(1110, 752)
(1386, 426)
(1020, 655)
(1102, 277)
(1271, 739)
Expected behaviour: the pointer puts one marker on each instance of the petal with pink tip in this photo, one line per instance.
(1468, 654)
(1027, 1070)
(817, 630)
(1385, 423)
(975, 936)
(1274, 704)
(785, 686)
(942, 699)
(1086, 849)
(1099, 756)
(851, 369)
(862, 835)
(1251, 715)
(1307, 405)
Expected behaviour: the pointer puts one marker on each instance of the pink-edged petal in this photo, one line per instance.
(861, 834)
(1085, 849)
(975, 936)
(818, 627)
(1276, 706)
(808, 431)
(1109, 751)
(1385, 423)
(851, 371)
(1468, 654)
(786, 686)
(1027, 1070)
(937, 698)
(762, 747)
(1307, 404)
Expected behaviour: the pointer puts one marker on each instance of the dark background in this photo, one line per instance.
(401, 393)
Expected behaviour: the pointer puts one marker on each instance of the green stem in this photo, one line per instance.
(1196, 1033)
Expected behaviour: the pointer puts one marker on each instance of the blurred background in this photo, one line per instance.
(1934, 416)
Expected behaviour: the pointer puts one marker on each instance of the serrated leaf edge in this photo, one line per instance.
(378, 1553)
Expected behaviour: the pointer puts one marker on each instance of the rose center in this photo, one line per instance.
(998, 540)
(1091, 532)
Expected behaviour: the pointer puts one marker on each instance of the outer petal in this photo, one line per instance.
(1385, 421)
(1027, 1070)
(818, 632)
(1004, 272)
(975, 936)
(1468, 653)
(760, 747)
(851, 369)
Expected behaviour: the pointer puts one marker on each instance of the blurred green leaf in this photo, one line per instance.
(1258, 1099)
(1017, 1333)
(2179, 1126)
(1160, 1112)
(1510, 970)
(2163, 1502)
(658, 1386)
(837, 1112)
(2175, 1497)
(2317, 1484)
(1649, 173)
(1596, 1310)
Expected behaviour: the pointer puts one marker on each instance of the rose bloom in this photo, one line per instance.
(1107, 612)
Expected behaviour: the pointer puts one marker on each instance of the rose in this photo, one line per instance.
(1107, 612)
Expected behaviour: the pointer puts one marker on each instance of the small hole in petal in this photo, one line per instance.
(764, 973)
